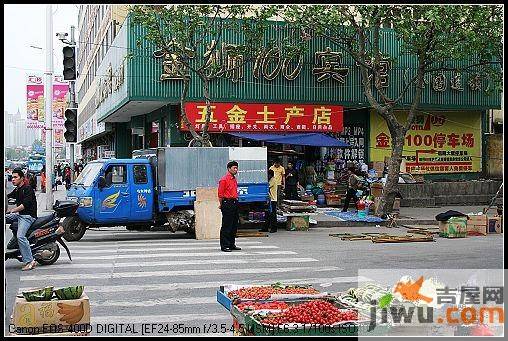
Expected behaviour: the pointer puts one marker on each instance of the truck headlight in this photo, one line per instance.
(85, 202)
(72, 199)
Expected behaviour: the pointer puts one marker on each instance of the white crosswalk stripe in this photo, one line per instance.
(199, 272)
(198, 248)
(193, 254)
(184, 262)
(150, 244)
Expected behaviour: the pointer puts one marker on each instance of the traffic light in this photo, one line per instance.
(69, 63)
(71, 124)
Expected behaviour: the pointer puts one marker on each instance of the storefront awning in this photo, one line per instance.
(304, 139)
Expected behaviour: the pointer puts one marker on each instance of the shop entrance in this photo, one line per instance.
(154, 137)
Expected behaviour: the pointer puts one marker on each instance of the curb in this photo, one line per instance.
(337, 223)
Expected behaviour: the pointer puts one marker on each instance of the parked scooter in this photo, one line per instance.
(43, 235)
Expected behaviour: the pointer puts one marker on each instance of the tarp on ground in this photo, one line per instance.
(353, 216)
(300, 139)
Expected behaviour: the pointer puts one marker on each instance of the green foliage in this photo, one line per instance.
(437, 35)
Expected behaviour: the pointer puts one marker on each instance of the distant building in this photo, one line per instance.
(16, 132)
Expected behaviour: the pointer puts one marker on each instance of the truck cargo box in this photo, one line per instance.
(187, 168)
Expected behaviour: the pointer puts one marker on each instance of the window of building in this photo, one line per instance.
(140, 174)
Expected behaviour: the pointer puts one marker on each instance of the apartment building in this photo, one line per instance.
(98, 26)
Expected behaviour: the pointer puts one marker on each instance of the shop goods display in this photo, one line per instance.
(39, 294)
(273, 305)
(69, 293)
(266, 292)
(312, 312)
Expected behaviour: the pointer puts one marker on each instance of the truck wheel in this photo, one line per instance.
(74, 229)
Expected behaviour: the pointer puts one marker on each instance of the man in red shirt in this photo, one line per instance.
(228, 204)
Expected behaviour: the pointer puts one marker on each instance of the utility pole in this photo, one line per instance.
(72, 104)
(48, 106)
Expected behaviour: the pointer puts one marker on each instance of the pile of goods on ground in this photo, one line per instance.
(297, 206)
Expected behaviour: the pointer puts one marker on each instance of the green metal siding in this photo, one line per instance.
(123, 140)
(144, 83)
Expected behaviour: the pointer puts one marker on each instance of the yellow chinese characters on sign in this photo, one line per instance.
(437, 142)
(202, 112)
(236, 115)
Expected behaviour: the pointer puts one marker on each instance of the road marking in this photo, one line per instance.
(217, 284)
(156, 302)
(193, 254)
(183, 262)
(199, 247)
(196, 272)
(136, 319)
(150, 244)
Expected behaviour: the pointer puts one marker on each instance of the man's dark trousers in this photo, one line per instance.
(230, 217)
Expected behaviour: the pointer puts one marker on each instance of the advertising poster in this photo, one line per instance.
(35, 102)
(443, 142)
(35, 106)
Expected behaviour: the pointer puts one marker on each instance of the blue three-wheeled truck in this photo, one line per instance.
(156, 188)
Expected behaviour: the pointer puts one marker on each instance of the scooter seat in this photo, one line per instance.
(41, 221)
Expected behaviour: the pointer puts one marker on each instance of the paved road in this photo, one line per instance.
(159, 277)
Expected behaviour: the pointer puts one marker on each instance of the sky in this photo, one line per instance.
(25, 25)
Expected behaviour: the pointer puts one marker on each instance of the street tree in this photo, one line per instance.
(462, 38)
(191, 39)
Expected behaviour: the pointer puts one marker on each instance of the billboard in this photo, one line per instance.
(441, 142)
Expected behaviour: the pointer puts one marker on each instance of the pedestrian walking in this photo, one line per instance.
(32, 180)
(43, 179)
(271, 220)
(228, 204)
(25, 213)
(353, 182)
(67, 172)
(292, 183)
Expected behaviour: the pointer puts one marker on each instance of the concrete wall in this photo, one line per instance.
(495, 156)
(448, 193)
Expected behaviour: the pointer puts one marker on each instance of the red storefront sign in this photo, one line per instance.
(266, 117)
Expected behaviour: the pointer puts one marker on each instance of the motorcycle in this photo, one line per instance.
(43, 235)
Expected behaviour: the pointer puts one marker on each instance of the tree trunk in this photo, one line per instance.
(182, 109)
(206, 94)
(392, 179)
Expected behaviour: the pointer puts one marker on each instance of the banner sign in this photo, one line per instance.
(36, 110)
(266, 117)
(448, 142)
(35, 102)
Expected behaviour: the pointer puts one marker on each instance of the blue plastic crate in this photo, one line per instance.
(224, 300)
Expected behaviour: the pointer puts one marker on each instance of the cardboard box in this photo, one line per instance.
(477, 219)
(453, 228)
(299, 223)
(36, 317)
(376, 189)
(495, 224)
(477, 225)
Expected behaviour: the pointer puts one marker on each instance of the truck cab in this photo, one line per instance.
(114, 192)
